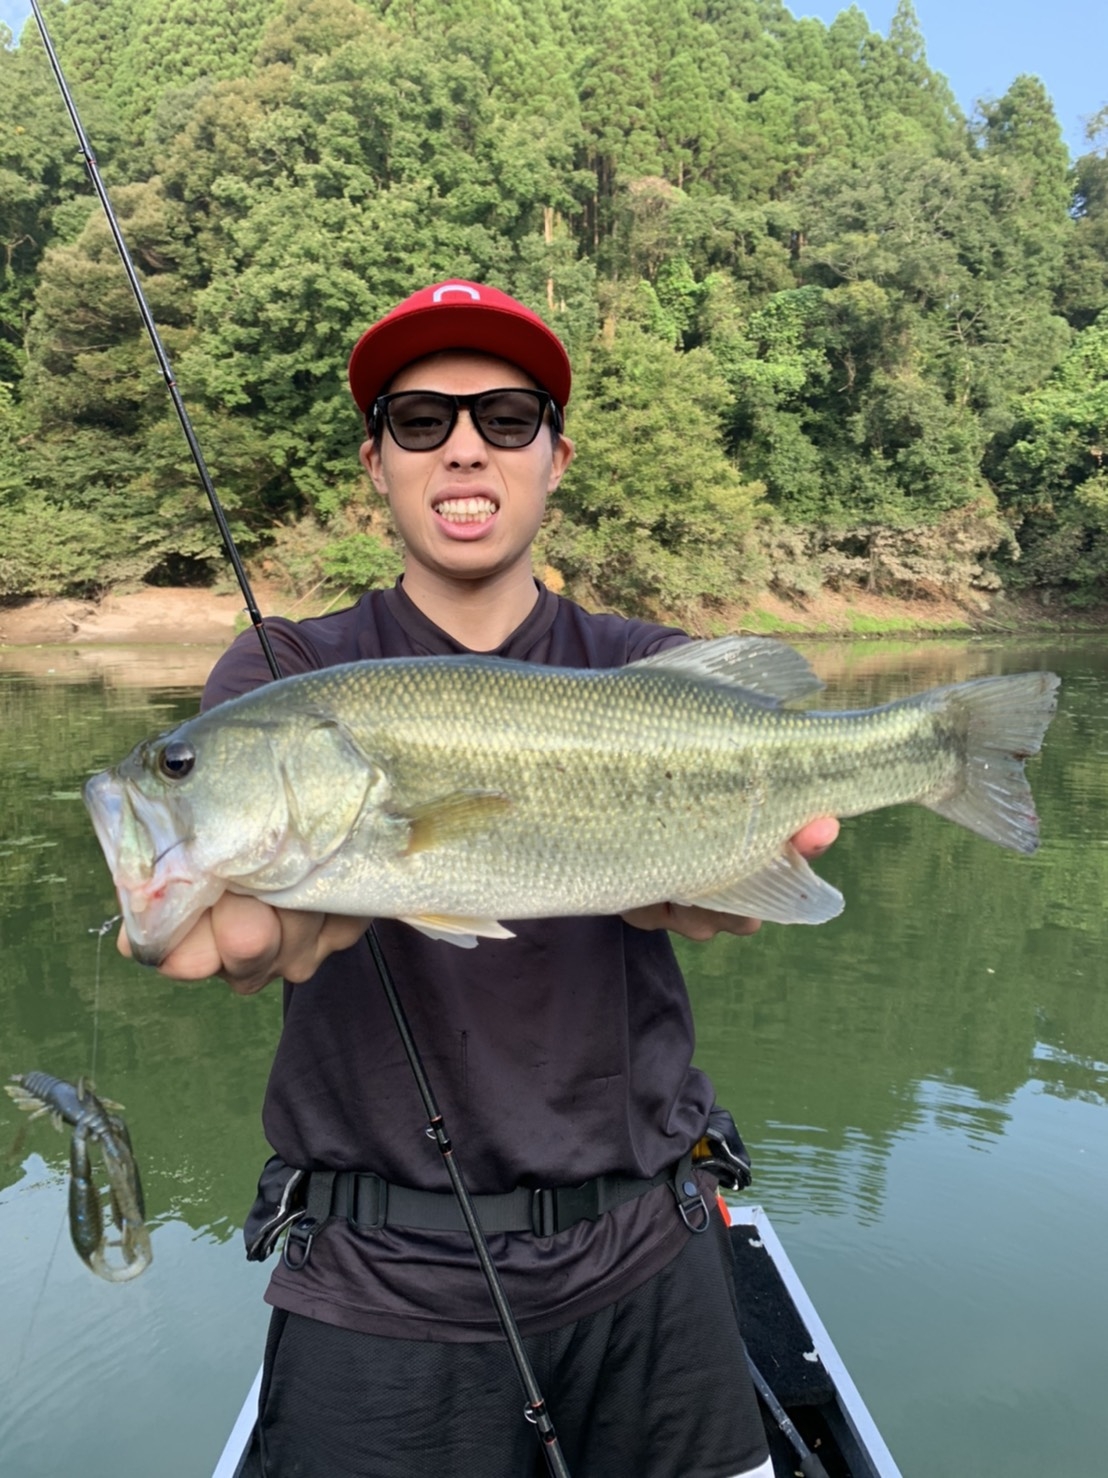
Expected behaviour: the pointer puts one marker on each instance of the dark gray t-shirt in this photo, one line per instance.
(558, 1055)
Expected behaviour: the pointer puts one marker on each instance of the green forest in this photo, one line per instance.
(828, 332)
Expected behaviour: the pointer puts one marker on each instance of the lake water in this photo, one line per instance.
(923, 1084)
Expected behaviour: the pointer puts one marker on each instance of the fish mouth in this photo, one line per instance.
(103, 798)
(136, 834)
(150, 955)
(159, 895)
(158, 913)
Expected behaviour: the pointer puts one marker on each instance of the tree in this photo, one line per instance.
(652, 515)
(102, 441)
(1053, 475)
(172, 43)
(1083, 286)
(41, 182)
(859, 291)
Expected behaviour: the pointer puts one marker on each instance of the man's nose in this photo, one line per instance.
(465, 446)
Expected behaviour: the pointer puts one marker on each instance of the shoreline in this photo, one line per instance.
(148, 617)
(177, 615)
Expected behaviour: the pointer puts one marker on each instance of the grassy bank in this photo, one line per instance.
(858, 615)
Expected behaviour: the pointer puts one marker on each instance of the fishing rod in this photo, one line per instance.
(810, 1465)
(535, 1410)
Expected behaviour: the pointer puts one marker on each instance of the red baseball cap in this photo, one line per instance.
(458, 315)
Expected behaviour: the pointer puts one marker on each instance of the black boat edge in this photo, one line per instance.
(788, 1344)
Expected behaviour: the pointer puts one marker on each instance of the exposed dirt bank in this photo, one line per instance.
(150, 616)
(169, 617)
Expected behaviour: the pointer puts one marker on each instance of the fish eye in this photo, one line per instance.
(176, 759)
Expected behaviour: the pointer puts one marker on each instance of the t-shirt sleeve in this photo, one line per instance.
(645, 640)
(243, 665)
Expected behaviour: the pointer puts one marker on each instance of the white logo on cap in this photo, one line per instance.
(455, 287)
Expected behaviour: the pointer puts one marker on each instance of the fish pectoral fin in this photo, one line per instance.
(757, 664)
(453, 818)
(785, 892)
(460, 931)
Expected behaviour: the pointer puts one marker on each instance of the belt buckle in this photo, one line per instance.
(372, 1192)
(544, 1213)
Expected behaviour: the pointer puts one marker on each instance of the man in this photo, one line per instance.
(561, 1057)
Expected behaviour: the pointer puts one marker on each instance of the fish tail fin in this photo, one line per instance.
(1002, 721)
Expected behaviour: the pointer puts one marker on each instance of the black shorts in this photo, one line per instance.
(656, 1386)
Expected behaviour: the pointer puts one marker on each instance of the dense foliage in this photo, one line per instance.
(825, 328)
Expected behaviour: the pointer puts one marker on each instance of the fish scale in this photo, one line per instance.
(457, 792)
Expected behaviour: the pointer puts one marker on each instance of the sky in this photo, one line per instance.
(979, 45)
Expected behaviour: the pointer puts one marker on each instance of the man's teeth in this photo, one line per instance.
(466, 510)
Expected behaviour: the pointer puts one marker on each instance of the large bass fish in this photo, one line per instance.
(455, 792)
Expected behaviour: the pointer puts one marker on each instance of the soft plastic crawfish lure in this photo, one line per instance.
(97, 1120)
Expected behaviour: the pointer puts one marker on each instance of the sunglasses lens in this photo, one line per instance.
(509, 418)
(422, 420)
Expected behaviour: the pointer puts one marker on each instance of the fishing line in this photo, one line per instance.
(40, 1294)
(536, 1410)
(105, 928)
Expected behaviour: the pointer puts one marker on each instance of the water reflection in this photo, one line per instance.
(122, 1380)
(188, 1062)
(93, 1377)
(905, 1076)
(956, 972)
(1069, 1074)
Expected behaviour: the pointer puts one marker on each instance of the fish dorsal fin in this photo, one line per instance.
(460, 931)
(786, 891)
(758, 664)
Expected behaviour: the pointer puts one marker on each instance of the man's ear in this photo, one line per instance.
(369, 455)
(563, 455)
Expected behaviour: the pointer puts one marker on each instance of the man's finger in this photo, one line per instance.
(247, 935)
(194, 958)
(816, 837)
(308, 938)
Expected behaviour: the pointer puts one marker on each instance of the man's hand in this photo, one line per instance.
(247, 943)
(706, 923)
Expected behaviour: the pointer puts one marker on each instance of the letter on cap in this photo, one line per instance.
(455, 287)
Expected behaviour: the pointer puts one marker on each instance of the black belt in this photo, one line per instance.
(368, 1203)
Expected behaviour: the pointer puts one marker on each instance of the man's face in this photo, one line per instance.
(466, 510)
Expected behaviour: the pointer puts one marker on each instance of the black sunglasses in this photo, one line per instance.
(421, 420)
